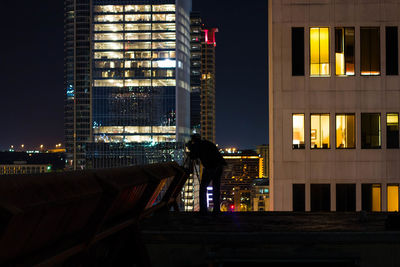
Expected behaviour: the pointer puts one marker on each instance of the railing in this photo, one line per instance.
(83, 218)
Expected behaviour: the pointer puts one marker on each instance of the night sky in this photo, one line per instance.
(32, 96)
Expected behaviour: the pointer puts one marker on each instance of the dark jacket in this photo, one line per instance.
(207, 152)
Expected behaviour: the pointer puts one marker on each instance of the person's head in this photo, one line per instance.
(195, 138)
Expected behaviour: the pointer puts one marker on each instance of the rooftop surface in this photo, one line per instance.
(268, 222)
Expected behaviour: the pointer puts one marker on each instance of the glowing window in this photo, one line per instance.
(108, 18)
(164, 36)
(370, 130)
(164, 17)
(137, 8)
(392, 130)
(163, 8)
(164, 26)
(320, 131)
(139, 17)
(108, 46)
(108, 27)
(108, 9)
(344, 51)
(298, 131)
(370, 51)
(163, 45)
(138, 45)
(376, 197)
(345, 131)
(108, 55)
(137, 27)
(137, 36)
(108, 36)
(319, 51)
(393, 198)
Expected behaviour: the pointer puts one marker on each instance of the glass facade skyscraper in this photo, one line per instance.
(139, 83)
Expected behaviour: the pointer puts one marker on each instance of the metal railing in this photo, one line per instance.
(83, 218)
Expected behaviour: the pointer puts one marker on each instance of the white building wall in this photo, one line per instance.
(304, 94)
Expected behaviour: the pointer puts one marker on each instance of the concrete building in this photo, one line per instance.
(127, 81)
(334, 92)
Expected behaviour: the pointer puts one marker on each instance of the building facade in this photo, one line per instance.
(127, 81)
(202, 78)
(334, 92)
(263, 151)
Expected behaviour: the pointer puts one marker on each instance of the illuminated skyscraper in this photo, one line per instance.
(127, 83)
(202, 78)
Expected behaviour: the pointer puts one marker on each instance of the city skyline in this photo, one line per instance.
(32, 107)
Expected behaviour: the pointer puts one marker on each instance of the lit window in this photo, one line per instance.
(298, 131)
(108, 27)
(139, 17)
(392, 130)
(163, 26)
(108, 55)
(108, 9)
(108, 36)
(319, 51)
(370, 130)
(393, 198)
(320, 131)
(163, 8)
(108, 18)
(137, 36)
(344, 51)
(345, 131)
(138, 45)
(137, 8)
(137, 27)
(370, 51)
(163, 45)
(108, 46)
(376, 197)
(371, 197)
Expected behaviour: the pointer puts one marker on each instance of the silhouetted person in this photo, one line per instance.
(213, 163)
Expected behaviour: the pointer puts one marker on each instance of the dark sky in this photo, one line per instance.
(32, 97)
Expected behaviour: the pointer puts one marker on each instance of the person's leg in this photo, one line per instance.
(217, 188)
(205, 181)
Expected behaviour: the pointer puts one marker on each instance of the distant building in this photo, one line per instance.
(127, 81)
(260, 195)
(334, 105)
(202, 78)
(30, 162)
(237, 178)
(263, 151)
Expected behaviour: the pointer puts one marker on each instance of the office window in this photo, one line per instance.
(344, 51)
(371, 197)
(345, 197)
(319, 51)
(298, 131)
(298, 51)
(320, 131)
(345, 131)
(392, 130)
(320, 197)
(393, 198)
(370, 130)
(370, 51)
(392, 53)
(299, 197)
